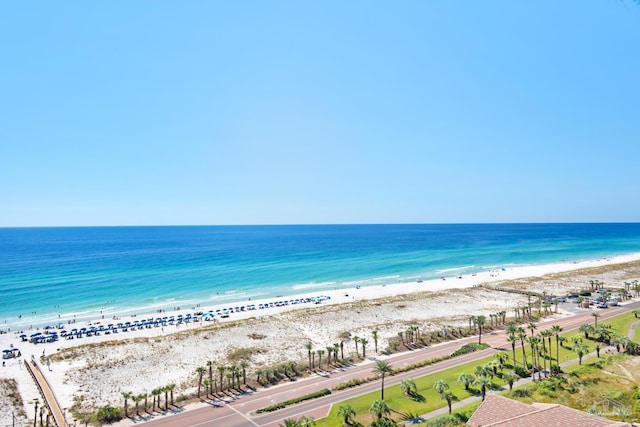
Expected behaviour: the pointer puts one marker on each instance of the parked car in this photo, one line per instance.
(602, 305)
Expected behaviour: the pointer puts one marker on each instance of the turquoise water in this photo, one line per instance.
(48, 274)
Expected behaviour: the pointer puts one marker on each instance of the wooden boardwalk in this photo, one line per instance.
(46, 393)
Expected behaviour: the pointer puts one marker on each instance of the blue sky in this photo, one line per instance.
(253, 112)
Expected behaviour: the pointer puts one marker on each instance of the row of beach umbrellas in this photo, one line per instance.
(112, 328)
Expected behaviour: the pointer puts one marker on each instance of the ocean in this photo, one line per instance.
(55, 274)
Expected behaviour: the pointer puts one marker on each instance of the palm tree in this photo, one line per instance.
(307, 421)
(244, 365)
(510, 378)
(200, 371)
(155, 393)
(382, 368)
(484, 370)
(440, 386)
(546, 336)
(532, 326)
(483, 382)
(580, 349)
(210, 365)
(364, 342)
(595, 319)
(126, 395)
(374, 335)
(480, 321)
(556, 329)
(231, 383)
(42, 408)
(466, 379)
(522, 335)
(511, 331)
(165, 390)
(503, 314)
(356, 339)
(145, 396)
(320, 353)
(329, 351)
(137, 398)
(221, 370)
(408, 386)
(501, 358)
(309, 347)
(233, 369)
(586, 329)
(449, 397)
(379, 409)
(170, 388)
(346, 411)
(533, 343)
(302, 422)
(36, 402)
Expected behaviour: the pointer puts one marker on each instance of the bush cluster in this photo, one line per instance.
(108, 414)
(354, 382)
(281, 405)
(468, 348)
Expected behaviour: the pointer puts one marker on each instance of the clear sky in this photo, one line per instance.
(272, 112)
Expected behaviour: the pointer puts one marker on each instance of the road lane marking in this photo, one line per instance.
(243, 415)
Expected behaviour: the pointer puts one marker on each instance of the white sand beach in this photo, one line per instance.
(86, 377)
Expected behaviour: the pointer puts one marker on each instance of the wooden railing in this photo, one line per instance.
(47, 393)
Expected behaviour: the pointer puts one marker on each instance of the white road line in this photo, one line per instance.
(243, 415)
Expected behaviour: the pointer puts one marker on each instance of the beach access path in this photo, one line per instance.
(47, 393)
(239, 411)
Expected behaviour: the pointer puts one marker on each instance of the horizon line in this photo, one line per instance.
(318, 224)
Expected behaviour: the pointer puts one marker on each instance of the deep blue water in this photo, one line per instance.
(80, 271)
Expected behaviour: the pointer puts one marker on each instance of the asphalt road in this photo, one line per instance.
(239, 411)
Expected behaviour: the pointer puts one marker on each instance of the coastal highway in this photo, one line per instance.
(239, 411)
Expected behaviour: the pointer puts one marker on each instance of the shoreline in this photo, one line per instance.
(348, 293)
(90, 369)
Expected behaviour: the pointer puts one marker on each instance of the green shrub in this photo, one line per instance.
(544, 391)
(354, 382)
(108, 414)
(521, 372)
(469, 348)
(521, 392)
(447, 421)
(286, 403)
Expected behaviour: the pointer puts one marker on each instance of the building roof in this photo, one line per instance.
(499, 411)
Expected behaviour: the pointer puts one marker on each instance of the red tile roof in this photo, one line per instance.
(499, 411)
